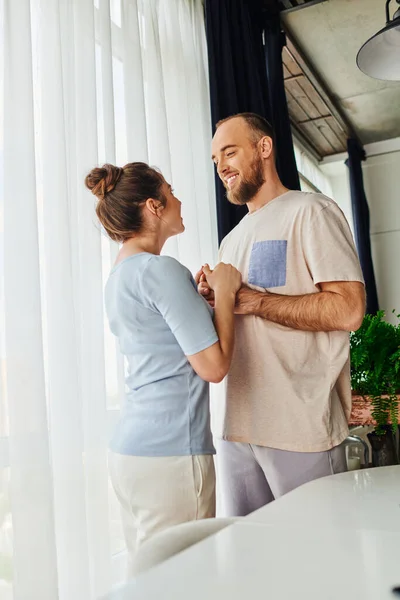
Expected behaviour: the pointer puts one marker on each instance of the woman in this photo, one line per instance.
(161, 459)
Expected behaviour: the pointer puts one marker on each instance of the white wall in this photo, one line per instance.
(339, 178)
(381, 182)
(381, 173)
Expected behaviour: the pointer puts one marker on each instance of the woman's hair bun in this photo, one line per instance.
(102, 180)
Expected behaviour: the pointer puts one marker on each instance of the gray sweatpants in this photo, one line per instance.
(250, 476)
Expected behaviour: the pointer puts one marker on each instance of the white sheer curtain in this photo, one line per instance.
(81, 83)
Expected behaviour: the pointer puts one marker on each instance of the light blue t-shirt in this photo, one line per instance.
(158, 317)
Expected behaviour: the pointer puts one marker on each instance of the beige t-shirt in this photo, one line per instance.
(289, 389)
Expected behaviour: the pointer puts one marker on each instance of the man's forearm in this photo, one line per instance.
(321, 311)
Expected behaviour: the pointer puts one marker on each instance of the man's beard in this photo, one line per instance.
(250, 185)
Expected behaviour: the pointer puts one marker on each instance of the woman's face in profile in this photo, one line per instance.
(171, 213)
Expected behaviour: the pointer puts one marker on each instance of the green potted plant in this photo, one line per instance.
(375, 373)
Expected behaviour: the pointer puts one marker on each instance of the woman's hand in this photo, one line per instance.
(203, 288)
(219, 288)
(224, 279)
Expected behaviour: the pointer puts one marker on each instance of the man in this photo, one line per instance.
(288, 397)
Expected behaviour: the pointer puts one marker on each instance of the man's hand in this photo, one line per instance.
(203, 287)
(245, 301)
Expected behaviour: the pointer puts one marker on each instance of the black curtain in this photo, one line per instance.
(279, 114)
(237, 77)
(239, 83)
(361, 221)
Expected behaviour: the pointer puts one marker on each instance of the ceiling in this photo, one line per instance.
(329, 35)
(311, 111)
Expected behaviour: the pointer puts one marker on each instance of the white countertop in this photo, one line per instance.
(248, 561)
(334, 539)
(365, 499)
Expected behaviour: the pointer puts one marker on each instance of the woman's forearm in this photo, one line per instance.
(224, 321)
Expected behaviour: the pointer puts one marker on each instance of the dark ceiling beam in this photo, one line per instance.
(286, 6)
(301, 4)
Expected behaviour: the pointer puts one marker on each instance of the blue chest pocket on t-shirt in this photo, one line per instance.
(267, 267)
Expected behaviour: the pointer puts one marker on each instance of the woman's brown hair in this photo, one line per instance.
(121, 193)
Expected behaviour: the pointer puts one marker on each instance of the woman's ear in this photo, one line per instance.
(153, 206)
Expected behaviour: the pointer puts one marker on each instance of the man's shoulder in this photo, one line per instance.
(313, 201)
(294, 204)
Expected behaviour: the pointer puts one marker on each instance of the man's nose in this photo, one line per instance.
(222, 168)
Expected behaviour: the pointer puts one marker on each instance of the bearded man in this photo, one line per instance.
(288, 396)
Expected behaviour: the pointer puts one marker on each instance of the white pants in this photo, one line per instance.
(158, 492)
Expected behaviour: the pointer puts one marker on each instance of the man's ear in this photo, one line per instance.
(267, 146)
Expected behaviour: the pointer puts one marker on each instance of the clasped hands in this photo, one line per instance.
(242, 295)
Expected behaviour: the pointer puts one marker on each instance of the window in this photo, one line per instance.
(98, 96)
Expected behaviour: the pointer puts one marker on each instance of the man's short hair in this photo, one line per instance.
(258, 126)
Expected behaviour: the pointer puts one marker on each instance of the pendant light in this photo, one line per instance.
(379, 57)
